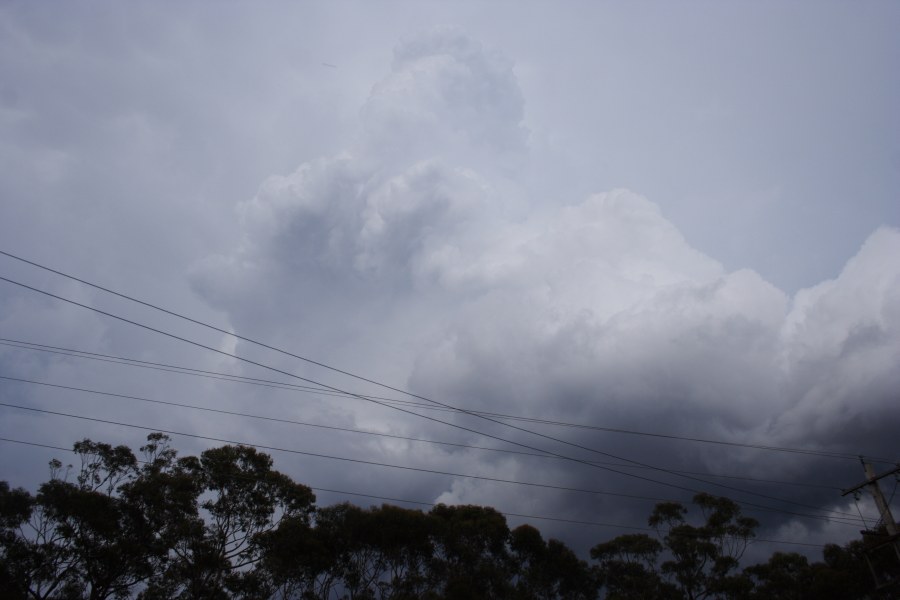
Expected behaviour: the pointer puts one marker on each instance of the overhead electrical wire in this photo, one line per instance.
(352, 460)
(235, 356)
(317, 390)
(273, 419)
(449, 424)
(432, 504)
(852, 521)
(389, 435)
(309, 360)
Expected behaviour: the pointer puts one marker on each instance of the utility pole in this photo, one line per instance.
(878, 541)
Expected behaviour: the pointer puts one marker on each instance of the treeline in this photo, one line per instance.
(227, 525)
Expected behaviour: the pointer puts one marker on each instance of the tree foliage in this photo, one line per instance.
(226, 524)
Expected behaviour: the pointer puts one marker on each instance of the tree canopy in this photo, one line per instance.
(226, 524)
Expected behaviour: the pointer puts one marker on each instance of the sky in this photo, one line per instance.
(664, 218)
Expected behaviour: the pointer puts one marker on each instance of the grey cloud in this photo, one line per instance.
(446, 95)
(443, 232)
(597, 311)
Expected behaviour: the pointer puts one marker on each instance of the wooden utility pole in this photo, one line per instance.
(878, 541)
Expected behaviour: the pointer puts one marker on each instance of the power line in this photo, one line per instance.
(347, 373)
(392, 436)
(432, 504)
(528, 431)
(309, 389)
(266, 418)
(181, 370)
(841, 520)
(372, 463)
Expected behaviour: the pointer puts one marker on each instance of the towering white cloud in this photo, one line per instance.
(597, 311)
(444, 235)
(841, 345)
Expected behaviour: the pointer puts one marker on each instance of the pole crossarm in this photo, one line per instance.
(871, 480)
(874, 540)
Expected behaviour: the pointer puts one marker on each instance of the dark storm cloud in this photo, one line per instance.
(457, 226)
(598, 312)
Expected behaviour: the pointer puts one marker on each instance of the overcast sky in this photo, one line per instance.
(672, 218)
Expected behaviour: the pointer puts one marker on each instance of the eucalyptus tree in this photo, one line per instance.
(697, 561)
(213, 513)
(79, 538)
(548, 570)
(471, 552)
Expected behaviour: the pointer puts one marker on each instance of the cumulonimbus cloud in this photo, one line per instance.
(597, 311)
